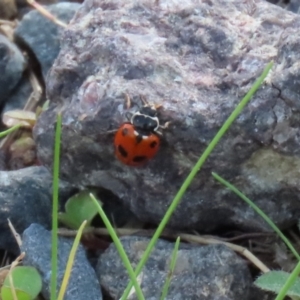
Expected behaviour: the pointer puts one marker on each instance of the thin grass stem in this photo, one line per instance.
(12, 129)
(290, 281)
(70, 262)
(259, 211)
(53, 283)
(171, 270)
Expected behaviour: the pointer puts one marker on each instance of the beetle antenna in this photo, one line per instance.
(144, 100)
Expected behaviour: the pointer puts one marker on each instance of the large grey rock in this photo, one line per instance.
(42, 35)
(19, 96)
(198, 59)
(83, 283)
(25, 198)
(208, 272)
(12, 65)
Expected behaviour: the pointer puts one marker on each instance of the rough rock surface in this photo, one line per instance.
(25, 198)
(198, 59)
(83, 283)
(209, 272)
(42, 35)
(12, 65)
(256, 293)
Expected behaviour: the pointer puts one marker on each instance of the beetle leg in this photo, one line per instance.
(165, 126)
(128, 101)
(144, 100)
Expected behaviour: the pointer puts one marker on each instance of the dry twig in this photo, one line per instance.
(15, 234)
(36, 94)
(46, 13)
(204, 240)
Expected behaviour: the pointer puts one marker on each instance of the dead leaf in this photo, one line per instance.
(18, 116)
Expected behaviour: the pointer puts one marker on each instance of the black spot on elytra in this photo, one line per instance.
(125, 131)
(153, 144)
(138, 159)
(122, 151)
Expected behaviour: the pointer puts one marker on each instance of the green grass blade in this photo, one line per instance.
(53, 284)
(120, 249)
(70, 262)
(6, 132)
(290, 281)
(194, 171)
(171, 271)
(259, 211)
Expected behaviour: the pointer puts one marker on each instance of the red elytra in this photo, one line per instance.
(134, 148)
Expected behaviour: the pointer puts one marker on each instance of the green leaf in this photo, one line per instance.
(273, 281)
(78, 209)
(6, 294)
(26, 281)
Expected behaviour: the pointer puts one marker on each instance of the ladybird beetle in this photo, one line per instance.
(138, 141)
